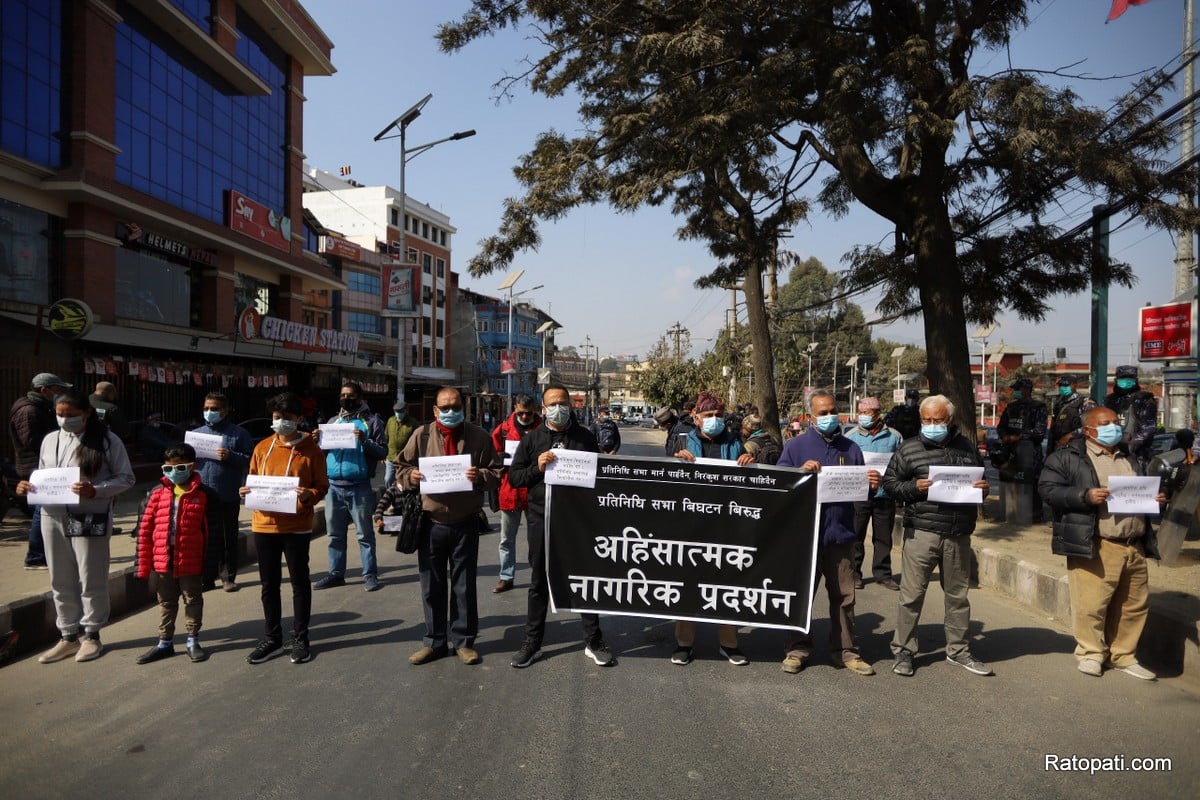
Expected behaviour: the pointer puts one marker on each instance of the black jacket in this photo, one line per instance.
(524, 472)
(677, 438)
(911, 462)
(1066, 477)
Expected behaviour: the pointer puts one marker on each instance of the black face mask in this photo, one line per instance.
(349, 404)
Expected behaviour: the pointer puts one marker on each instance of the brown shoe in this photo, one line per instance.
(468, 656)
(890, 583)
(60, 652)
(502, 586)
(427, 654)
(858, 666)
(792, 664)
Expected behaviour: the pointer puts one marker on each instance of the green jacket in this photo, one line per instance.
(398, 431)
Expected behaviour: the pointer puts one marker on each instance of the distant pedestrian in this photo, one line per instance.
(29, 421)
(104, 401)
(399, 427)
(513, 501)
(608, 437)
(906, 419)
(225, 475)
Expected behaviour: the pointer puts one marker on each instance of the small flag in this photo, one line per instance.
(1119, 7)
(346, 169)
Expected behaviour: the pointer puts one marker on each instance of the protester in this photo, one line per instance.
(935, 534)
(1137, 412)
(527, 471)
(906, 419)
(78, 536)
(280, 535)
(1066, 414)
(608, 438)
(173, 541)
(681, 429)
(761, 446)
(1106, 552)
(29, 421)
(225, 475)
(872, 436)
(104, 402)
(351, 498)
(824, 445)
(513, 501)
(448, 547)
(399, 427)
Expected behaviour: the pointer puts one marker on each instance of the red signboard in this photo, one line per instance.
(1167, 333)
(259, 222)
(341, 248)
(508, 362)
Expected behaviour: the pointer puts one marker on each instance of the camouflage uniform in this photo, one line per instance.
(1137, 413)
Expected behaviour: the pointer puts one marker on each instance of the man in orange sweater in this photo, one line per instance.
(286, 535)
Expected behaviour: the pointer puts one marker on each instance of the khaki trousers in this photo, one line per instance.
(169, 588)
(1110, 600)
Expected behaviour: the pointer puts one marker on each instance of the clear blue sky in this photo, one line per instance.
(624, 279)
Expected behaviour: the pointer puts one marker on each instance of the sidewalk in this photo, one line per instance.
(1013, 560)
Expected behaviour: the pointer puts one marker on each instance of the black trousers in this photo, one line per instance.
(229, 510)
(880, 512)
(273, 548)
(539, 587)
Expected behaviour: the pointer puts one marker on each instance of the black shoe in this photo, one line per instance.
(526, 655)
(682, 656)
(598, 651)
(300, 650)
(329, 581)
(197, 653)
(265, 651)
(735, 656)
(155, 653)
(903, 665)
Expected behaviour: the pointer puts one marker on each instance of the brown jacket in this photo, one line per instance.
(452, 507)
(304, 460)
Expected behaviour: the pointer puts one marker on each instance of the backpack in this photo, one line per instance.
(606, 435)
(764, 449)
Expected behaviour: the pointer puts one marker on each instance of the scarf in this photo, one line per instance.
(449, 438)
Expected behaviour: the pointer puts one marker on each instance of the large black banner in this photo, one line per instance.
(672, 539)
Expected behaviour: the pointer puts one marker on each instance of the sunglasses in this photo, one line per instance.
(177, 469)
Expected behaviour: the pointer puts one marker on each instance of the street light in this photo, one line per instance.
(509, 283)
(407, 154)
(546, 327)
(981, 335)
(811, 347)
(897, 354)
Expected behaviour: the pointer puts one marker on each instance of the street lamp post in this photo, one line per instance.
(509, 282)
(811, 347)
(981, 335)
(407, 154)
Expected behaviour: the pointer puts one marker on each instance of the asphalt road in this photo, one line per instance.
(359, 721)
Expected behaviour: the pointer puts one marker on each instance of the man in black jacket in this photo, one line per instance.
(31, 418)
(935, 534)
(528, 468)
(1106, 553)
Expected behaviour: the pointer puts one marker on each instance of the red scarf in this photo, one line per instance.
(449, 438)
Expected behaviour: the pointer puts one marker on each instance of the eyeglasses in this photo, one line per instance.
(177, 469)
(450, 408)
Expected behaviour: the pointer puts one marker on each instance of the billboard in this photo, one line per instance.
(399, 292)
(1167, 332)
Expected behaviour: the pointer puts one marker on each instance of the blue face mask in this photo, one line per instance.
(451, 419)
(866, 421)
(558, 415)
(1065, 391)
(212, 417)
(1109, 435)
(179, 477)
(935, 433)
(1126, 383)
(712, 426)
(1017, 394)
(828, 423)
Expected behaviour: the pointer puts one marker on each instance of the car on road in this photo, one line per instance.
(648, 421)
(633, 419)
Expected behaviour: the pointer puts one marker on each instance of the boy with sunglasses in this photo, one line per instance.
(173, 542)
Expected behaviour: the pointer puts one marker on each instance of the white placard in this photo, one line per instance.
(442, 474)
(52, 487)
(205, 444)
(723, 462)
(393, 522)
(877, 461)
(843, 484)
(1132, 495)
(510, 447)
(338, 436)
(953, 485)
(572, 468)
(273, 493)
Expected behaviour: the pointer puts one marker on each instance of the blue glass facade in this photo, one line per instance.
(32, 122)
(196, 10)
(185, 137)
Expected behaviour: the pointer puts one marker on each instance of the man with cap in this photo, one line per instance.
(399, 427)
(29, 420)
(1136, 410)
(104, 402)
(906, 419)
(1022, 429)
(1066, 415)
(872, 436)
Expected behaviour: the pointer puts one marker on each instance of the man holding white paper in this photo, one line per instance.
(1106, 552)
(935, 534)
(513, 501)
(878, 442)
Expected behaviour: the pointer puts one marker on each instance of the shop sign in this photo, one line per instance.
(333, 246)
(252, 325)
(1167, 332)
(70, 318)
(399, 292)
(259, 222)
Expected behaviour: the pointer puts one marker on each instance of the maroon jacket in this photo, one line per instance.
(511, 498)
(197, 506)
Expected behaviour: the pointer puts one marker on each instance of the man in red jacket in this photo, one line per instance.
(513, 501)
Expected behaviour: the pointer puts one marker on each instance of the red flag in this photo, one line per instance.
(1119, 7)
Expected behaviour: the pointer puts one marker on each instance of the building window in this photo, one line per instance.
(362, 282)
(29, 241)
(443, 239)
(395, 218)
(441, 328)
(425, 230)
(441, 267)
(485, 325)
(501, 326)
(197, 10)
(358, 322)
(312, 239)
(425, 325)
(153, 289)
(441, 358)
(425, 351)
(252, 293)
(31, 78)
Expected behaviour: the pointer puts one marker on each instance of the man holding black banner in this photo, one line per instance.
(824, 445)
(527, 470)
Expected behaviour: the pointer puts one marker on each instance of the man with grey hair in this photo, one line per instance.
(936, 534)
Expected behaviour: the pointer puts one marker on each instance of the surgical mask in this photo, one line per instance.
(828, 423)
(284, 427)
(558, 415)
(212, 417)
(712, 426)
(935, 433)
(1065, 391)
(1109, 435)
(179, 474)
(1017, 394)
(1126, 383)
(866, 420)
(72, 424)
(451, 419)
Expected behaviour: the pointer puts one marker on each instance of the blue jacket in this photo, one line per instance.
(837, 519)
(226, 477)
(884, 440)
(729, 445)
(350, 466)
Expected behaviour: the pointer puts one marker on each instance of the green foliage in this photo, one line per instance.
(670, 383)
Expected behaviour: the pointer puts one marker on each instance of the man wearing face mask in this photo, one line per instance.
(513, 501)
(225, 475)
(1022, 429)
(824, 445)
(29, 420)
(560, 431)
(1066, 415)
(872, 436)
(350, 497)
(448, 546)
(399, 427)
(1137, 412)
(935, 534)
(1106, 553)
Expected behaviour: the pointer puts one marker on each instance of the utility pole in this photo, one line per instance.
(1099, 305)
(678, 331)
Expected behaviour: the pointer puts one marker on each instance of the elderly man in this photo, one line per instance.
(872, 436)
(824, 445)
(936, 534)
(1106, 553)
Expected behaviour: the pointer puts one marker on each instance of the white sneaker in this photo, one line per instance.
(1138, 671)
(63, 650)
(89, 650)
(1090, 666)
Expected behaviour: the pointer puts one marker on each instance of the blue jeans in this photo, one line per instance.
(343, 505)
(510, 522)
(447, 557)
(36, 555)
(389, 472)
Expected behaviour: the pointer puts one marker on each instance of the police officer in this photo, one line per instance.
(906, 419)
(1137, 412)
(1022, 429)
(1066, 416)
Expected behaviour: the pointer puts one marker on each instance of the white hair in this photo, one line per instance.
(938, 399)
